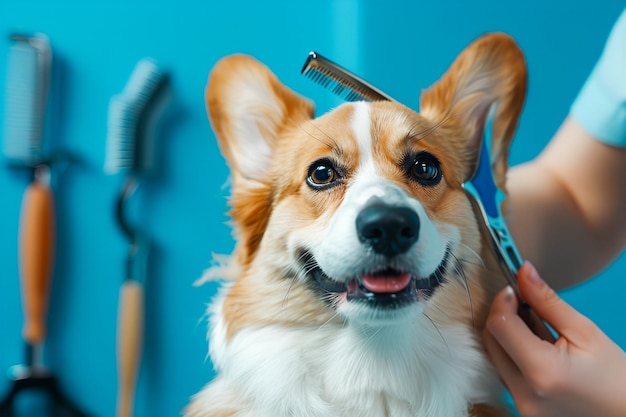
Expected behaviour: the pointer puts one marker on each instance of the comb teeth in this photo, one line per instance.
(343, 88)
(340, 81)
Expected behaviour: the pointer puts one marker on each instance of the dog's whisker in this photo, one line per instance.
(330, 142)
(460, 272)
(469, 279)
(297, 270)
(438, 276)
(439, 332)
(440, 310)
(286, 298)
(423, 134)
(475, 254)
(331, 318)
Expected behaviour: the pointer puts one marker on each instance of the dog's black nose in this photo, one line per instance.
(388, 230)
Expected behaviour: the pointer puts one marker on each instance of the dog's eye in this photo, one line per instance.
(322, 174)
(425, 169)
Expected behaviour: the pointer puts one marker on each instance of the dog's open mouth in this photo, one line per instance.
(385, 288)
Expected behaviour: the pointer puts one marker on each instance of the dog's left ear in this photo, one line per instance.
(490, 71)
(249, 110)
(249, 107)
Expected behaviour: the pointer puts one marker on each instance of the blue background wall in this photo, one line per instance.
(401, 46)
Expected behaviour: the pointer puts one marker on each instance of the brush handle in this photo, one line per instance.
(37, 235)
(129, 340)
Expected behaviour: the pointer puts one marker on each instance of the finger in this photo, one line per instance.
(510, 375)
(522, 346)
(553, 309)
(507, 370)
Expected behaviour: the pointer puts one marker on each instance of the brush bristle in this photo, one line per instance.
(28, 73)
(340, 81)
(129, 145)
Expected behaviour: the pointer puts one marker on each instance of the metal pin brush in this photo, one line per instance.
(28, 78)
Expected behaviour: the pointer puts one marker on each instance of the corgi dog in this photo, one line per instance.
(361, 277)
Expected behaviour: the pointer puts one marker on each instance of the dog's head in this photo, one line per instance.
(359, 215)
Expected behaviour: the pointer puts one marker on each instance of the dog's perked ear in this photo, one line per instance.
(491, 70)
(249, 108)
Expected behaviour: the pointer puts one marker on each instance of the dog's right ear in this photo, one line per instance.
(491, 70)
(249, 108)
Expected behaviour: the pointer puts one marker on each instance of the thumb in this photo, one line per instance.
(550, 307)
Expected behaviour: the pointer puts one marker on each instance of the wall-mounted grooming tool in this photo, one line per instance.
(132, 119)
(28, 77)
(482, 188)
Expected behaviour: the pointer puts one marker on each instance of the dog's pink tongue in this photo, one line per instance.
(385, 283)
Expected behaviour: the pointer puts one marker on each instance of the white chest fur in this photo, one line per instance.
(408, 369)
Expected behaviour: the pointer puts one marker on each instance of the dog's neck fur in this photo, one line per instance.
(412, 368)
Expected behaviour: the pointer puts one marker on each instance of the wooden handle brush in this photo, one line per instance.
(28, 78)
(132, 121)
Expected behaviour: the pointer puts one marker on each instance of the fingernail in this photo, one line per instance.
(533, 276)
(509, 294)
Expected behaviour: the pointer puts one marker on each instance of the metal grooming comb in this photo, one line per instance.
(340, 81)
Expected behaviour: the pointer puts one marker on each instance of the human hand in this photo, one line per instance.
(582, 375)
